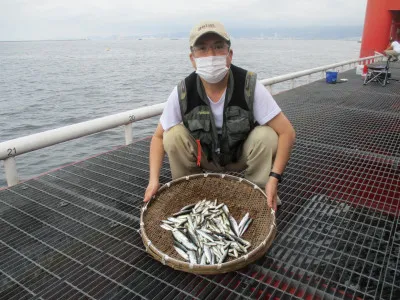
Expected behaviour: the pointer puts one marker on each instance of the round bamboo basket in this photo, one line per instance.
(240, 195)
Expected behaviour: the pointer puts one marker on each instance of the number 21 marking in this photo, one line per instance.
(12, 152)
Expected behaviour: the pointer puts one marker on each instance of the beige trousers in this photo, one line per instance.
(257, 157)
(392, 53)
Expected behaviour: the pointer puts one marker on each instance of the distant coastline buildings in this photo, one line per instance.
(308, 33)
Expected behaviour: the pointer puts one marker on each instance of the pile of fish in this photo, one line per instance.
(205, 233)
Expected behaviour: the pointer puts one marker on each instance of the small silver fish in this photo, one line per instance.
(245, 226)
(181, 253)
(181, 238)
(166, 227)
(192, 257)
(243, 221)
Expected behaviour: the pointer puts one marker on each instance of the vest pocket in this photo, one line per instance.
(238, 130)
(200, 129)
(237, 126)
(199, 125)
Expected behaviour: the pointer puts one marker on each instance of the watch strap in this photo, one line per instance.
(276, 175)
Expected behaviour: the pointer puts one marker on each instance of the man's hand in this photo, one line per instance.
(155, 161)
(271, 190)
(152, 188)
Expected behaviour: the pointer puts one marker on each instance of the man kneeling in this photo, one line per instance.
(221, 118)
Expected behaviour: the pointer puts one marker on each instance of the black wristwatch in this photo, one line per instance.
(276, 175)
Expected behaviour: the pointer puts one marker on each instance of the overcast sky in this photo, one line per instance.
(57, 19)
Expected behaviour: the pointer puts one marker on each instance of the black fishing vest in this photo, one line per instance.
(238, 119)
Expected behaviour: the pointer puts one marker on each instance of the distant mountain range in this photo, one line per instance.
(320, 32)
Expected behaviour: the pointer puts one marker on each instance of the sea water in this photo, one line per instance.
(50, 84)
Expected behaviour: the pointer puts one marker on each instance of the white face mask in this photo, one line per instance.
(211, 68)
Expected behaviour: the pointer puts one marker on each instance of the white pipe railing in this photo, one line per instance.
(270, 82)
(12, 148)
(18, 146)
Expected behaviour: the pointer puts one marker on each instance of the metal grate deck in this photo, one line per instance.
(73, 233)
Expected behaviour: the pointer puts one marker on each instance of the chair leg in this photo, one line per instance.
(372, 76)
(385, 80)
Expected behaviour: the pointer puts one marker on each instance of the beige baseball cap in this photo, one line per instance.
(207, 27)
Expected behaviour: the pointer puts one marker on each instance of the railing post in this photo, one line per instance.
(128, 134)
(10, 168)
(292, 84)
(269, 88)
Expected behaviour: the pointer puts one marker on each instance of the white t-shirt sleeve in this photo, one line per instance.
(171, 115)
(264, 106)
(396, 46)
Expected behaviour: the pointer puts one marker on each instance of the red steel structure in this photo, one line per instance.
(382, 23)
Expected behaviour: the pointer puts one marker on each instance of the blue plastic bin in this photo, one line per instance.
(331, 76)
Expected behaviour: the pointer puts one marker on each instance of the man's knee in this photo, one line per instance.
(175, 136)
(264, 135)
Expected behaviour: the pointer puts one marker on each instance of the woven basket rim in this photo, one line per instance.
(218, 175)
(198, 268)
